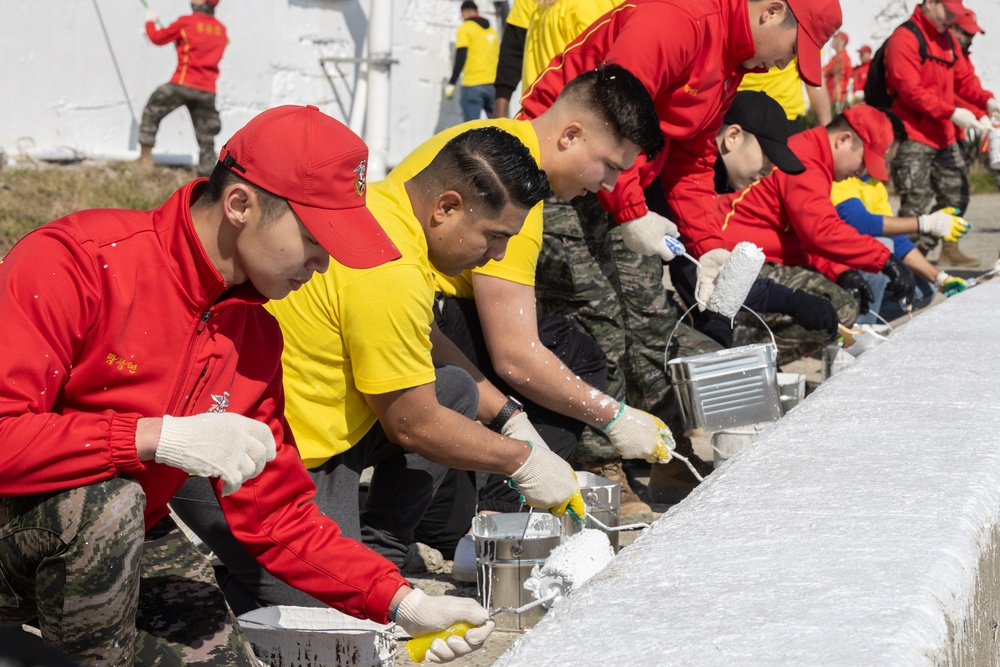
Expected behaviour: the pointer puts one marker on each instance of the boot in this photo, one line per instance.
(145, 156)
(671, 482)
(952, 256)
(631, 504)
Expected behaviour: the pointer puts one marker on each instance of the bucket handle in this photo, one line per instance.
(666, 351)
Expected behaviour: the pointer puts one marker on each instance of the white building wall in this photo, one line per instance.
(59, 86)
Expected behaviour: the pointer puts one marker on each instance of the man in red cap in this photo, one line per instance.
(792, 218)
(838, 72)
(691, 56)
(861, 73)
(965, 28)
(136, 353)
(929, 171)
(200, 39)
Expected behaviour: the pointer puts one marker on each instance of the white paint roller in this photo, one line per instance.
(735, 280)
(569, 565)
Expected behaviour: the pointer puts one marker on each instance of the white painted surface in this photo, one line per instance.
(59, 87)
(848, 534)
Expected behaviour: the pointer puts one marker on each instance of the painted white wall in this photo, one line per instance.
(59, 86)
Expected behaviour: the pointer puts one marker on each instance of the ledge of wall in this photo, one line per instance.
(861, 529)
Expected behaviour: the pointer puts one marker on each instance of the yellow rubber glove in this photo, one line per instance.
(945, 223)
(949, 285)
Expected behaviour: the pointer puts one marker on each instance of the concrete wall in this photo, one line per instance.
(59, 86)
(861, 529)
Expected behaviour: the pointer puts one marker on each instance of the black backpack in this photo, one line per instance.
(877, 93)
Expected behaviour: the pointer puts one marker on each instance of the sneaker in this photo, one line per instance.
(463, 568)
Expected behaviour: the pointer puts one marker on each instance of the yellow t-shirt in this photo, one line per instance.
(784, 85)
(350, 332)
(872, 194)
(553, 26)
(484, 52)
(521, 13)
(518, 264)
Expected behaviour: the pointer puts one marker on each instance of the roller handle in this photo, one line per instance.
(418, 646)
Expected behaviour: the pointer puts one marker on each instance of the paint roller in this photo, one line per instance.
(734, 281)
(570, 564)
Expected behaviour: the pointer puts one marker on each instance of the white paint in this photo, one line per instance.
(64, 94)
(735, 279)
(848, 534)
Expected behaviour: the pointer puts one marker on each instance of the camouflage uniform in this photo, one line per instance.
(78, 563)
(586, 274)
(200, 104)
(928, 179)
(795, 341)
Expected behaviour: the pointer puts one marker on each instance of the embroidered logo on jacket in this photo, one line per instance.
(122, 363)
(221, 402)
(360, 178)
(691, 90)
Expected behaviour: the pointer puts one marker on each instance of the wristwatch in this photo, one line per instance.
(510, 407)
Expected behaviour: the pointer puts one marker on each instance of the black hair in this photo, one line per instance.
(490, 168)
(272, 206)
(621, 101)
(841, 124)
(469, 4)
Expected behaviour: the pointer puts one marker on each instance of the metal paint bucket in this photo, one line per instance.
(726, 443)
(505, 559)
(604, 501)
(791, 390)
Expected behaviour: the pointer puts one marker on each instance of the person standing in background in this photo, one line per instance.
(861, 74)
(477, 49)
(201, 40)
(838, 72)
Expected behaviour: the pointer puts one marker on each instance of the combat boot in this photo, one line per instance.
(631, 504)
(952, 256)
(145, 156)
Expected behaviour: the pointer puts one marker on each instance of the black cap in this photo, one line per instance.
(761, 116)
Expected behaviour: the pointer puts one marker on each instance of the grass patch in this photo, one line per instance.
(31, 197)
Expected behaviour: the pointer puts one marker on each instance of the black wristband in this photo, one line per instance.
(510, 407)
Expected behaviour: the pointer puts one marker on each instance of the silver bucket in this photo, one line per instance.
(604, 501)
(725, 389)
(505, 561)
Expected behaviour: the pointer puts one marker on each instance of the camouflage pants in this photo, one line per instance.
(79, 564)
(586, 274)
(928, 179)
(204, 116)
(795, 341)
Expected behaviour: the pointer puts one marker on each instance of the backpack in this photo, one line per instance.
(877, 93)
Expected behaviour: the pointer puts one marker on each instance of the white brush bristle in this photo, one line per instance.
(736, 279)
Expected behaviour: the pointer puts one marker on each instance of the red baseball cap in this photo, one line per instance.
(954, 6)
(875, 130)
(842, 35)
(967, 21)
(212, 3)
(318, 165)
(818, 20)
(865, 49)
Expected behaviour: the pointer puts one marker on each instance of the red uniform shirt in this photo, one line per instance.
(114, 315)
(837, 73)
(793, 219)
(861, 76)
(688, 55)
(926, 93)
(200, 40)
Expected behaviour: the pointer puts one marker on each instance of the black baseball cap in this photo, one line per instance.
(760, 115)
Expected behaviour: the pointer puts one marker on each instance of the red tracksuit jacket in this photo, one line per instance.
(688, 55)
(793, 219)
(114, 315)
(200, 41)
(925, 93)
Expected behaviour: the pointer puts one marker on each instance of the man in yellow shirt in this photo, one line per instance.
(786, 87)
(361, 385)
(477, 48)
(593, 132)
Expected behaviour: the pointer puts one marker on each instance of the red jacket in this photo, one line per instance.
(978, 109)
(925, 93)
(837, 73)
(200, 40)
(114, 315)
(688, 55)
(861, 76)
(793, 219)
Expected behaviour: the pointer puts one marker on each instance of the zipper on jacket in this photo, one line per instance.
(204, 320)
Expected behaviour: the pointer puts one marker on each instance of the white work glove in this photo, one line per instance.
(644, 235)
(949, 285)
(421, 614)
(966, 119)
(640, 435)
(151, 16)
(449, 90)
(519, 427)
(711, 265)
(547, 481)
(944, 223)
(229, 446)
(993, 109)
